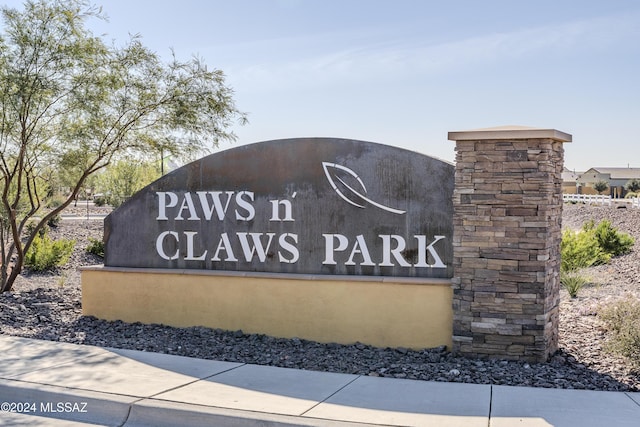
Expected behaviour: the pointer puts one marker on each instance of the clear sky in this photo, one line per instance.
(406, 72)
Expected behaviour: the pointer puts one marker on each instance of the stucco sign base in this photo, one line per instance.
(381, 311)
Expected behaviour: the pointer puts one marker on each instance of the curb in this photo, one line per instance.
(157, 413)
(77, 405)
(127, 411)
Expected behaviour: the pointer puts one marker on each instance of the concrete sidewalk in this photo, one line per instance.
(57, 384)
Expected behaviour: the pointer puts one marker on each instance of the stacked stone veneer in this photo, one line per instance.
(507, 231)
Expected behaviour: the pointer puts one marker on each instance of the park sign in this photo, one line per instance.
(343, 241)
(318, 206)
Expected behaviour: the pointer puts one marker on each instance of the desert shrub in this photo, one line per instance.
(96, 247)
(610, 239)
(55, 201)
(580, 250)
(633, 185)
(54, 221)
(573, 281)
(31, 226)
(46, 253)
(622, 320)
(600, 186)
(100, 201)
(124, 178)
(593, 245)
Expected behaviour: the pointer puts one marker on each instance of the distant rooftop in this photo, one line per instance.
(618, 173)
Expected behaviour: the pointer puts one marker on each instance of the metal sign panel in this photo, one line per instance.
(308, 205)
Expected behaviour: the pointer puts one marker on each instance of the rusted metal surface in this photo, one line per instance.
(308, 205)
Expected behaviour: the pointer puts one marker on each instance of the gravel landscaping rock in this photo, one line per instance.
(48, 306)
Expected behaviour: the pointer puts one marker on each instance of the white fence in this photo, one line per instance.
(589, 199)
(597, 199)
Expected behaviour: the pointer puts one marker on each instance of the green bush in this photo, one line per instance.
(31, 226)
(622, 320)
(55, 201)
(100, 201)
(96, 247)
(54, 221)
(580, 250)
(45, 253)
(572, 281)
(593, 245)
(633, 185)
(610, 239)
(600, 186)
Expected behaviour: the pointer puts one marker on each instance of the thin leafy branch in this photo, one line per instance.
(72, 103)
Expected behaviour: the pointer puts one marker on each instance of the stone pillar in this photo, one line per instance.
(506, 242)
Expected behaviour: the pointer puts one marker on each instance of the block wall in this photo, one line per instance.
(507, 231)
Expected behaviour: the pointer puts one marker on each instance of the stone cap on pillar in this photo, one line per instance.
(509, 132)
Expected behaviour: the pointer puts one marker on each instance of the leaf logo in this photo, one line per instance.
(357, 197)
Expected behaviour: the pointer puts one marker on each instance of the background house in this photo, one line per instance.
(616, 178)
(570, 181)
